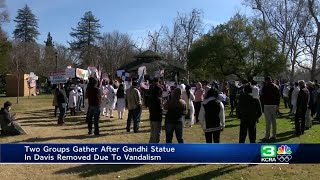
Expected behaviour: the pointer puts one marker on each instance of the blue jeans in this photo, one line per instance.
(135, 116)
(62, 109)
(177, 128)
(79, 103)
(93, 114)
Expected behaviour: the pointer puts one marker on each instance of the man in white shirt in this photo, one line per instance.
(285, 95)
(255, 90)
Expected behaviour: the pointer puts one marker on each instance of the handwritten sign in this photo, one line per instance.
(58, 77)
(70, 73)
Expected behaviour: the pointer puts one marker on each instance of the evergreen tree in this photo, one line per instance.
(85, 36)
(27, 25)
(49, 42)
(5, 47)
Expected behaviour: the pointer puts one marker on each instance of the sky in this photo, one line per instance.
(134, 17)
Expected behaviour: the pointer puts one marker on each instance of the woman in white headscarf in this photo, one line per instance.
(73, 100)
(188, 97)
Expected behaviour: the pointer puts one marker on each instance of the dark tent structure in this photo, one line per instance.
(153, 62)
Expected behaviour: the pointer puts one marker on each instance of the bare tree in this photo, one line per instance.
(115, 49)
(312, 36)
(283, 19)
(22, 62)
(187, 28)
(154, 40)
(4, 15)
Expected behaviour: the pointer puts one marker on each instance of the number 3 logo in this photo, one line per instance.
(268, 151)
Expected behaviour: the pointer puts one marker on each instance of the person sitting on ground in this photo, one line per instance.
(9, 125)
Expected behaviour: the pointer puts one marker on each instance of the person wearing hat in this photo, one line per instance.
(248, 111)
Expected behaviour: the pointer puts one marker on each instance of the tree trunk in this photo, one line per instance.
(292, 72)
(315, 56)
(18, 85)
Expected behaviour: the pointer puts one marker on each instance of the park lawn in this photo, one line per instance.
(36, 116)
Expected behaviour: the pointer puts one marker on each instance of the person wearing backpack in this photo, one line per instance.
(212, 116)
(248, 111)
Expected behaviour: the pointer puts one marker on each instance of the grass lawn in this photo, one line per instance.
(36, 117)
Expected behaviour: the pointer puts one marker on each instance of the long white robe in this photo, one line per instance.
(72, 99)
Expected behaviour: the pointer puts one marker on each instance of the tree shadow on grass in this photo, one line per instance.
(281, 137)
(218, 172)
(89, 170)
(231, 119)
(164, 173)
(78, 137)
(232, 125)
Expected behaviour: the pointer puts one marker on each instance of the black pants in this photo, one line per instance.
(233, 104)
(73, 111)
(300, 125)
(244, 129)
(55, 111)
(197, 107)
(134, 115)
(215, 136)
(286, 102)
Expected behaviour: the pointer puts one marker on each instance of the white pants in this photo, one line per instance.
(120, 113)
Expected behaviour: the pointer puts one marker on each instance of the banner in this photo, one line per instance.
(83, 74)
(70, 72)
(160, 153)
(58, 77)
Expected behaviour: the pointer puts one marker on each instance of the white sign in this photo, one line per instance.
(258, 78)
(70, 72)
(58, 77)
(83, 74)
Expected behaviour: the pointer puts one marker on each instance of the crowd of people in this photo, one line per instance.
(184, 105)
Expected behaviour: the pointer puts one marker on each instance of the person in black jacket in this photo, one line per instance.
(248, 111)
(62, 103)
(155, 111)
(302, 106)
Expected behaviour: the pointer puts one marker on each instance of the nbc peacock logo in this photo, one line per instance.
(284, 153)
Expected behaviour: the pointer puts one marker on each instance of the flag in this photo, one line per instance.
(141, 78)
(99, 75)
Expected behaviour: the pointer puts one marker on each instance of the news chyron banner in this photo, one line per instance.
(159, 153)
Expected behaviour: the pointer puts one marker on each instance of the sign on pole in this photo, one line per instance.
(58, 77)
(258, 78)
